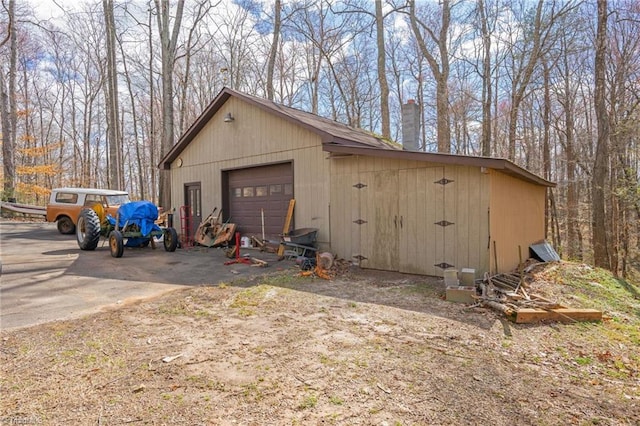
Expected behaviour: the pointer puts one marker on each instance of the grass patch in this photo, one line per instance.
(186, 308)
(336, 400)
(252, 392)
(583, 360)
(308, 402)
(179, 307)
(247, 300)
(599, 289)
(585, 286)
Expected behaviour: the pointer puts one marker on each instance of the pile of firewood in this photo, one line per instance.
(509, 294)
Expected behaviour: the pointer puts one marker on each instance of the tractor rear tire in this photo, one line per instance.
(65, 225)
(116, 243)
(170, 239)
(88, 230)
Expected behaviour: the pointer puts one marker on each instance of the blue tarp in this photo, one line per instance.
(141, 213)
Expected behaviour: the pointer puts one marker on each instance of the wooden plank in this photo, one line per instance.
(531, 315)
(287, 224)
(537, 297)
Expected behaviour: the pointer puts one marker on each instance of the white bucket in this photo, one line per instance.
(245, 242)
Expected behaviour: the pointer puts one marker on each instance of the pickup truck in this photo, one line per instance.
(65, 204)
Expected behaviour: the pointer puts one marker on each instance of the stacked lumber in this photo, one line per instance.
(507, 293)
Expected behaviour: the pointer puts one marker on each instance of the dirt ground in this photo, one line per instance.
(366, 348)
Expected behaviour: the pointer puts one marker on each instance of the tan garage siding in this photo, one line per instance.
(399, 204)
(255, 138)
(345, 207)
(517, 219)
(467, 203)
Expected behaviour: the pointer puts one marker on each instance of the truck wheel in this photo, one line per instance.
(88, 230)
(116, 244)
(65, 225)
(170, 239)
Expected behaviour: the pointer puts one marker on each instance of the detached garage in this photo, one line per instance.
(373, 203)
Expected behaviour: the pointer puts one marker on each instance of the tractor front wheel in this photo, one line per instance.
(170, 239)
(88, 230)
(116, 243)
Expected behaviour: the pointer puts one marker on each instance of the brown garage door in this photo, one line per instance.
(254, 189)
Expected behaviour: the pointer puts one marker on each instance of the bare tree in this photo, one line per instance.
(622, 204)
(190, 48)
(487, 87)
(273, 52)
(87, 41)
(313, 27)
(237, 46)
(439, 69)
(382, 71)
(566, 66)
(114, 140)
(327, 34)
(168, 42)
(8, 104)
(600, 248)
(538, 37)
(378, 18)
(134, 117)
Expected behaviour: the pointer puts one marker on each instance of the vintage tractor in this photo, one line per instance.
(134, 222)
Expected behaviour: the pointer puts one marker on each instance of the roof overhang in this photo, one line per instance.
(500, 164)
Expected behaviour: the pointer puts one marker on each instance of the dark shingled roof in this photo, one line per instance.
(340, 139)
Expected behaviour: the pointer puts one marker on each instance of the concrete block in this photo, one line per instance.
(451, 277)
(468, 276)
(461, 294)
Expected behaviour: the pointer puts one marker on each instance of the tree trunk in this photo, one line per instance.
(382, 72)
(599, 176)
(486, 82)
(555, 225)
(273, 52)
(113, 130)
(546, 154)
(152, 120)
(573, 245)
(168, 42)
(203, 9)
(134, 125)
(521, 81)
(7, 148)
(8, 109)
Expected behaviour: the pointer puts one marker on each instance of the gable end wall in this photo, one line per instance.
(256, 138)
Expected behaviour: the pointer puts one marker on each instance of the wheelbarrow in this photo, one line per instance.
(300, 243)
